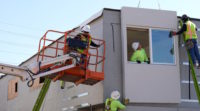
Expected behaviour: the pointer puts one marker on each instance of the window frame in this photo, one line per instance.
(151, 44)
(142, 28)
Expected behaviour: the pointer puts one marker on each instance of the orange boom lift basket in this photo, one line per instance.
(90, 72)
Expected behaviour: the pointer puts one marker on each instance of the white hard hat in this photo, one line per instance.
(135, 45)
(115, 95)
(85, 28)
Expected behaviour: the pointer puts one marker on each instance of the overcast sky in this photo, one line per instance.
(23, 22)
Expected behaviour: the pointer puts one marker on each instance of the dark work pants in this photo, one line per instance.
(194, 52)
(75, 43)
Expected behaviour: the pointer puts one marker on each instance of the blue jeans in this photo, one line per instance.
(194, 52)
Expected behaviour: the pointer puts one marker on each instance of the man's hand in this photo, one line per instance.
(148, 62)
(172, 33)
(98, 46)
(138, 61)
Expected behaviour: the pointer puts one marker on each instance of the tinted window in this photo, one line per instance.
(162, 47)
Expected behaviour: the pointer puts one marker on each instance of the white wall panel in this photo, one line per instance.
(152, 83)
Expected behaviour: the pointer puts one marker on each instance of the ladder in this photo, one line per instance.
(42, 95)
(194, 76)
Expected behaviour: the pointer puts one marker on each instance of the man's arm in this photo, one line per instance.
(145, 56)
(106, 102)
(94, 44)
(120, 105)
(133, 57)
(183, 29)
(78, 36)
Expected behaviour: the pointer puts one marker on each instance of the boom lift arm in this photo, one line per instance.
(33, 71)
(65, 67)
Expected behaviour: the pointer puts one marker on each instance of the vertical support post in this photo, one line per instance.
(97, 55)
(196, 85)
(90, 107)
(56, 49)
(65, 42)
(189, 86)
(43, 48)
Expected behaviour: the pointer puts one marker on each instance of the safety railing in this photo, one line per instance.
(43, 46)
(99, 59)
(55, 45)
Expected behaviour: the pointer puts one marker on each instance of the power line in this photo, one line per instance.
(21, 26)
(12, 60)
(19, 34)
(16, 53)
(17, 44)
(9, 62)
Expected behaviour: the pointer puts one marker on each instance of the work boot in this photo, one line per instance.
(198, 66)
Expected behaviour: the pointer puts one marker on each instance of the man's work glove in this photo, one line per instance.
(138, 61)
(148, 62)
(172, 33)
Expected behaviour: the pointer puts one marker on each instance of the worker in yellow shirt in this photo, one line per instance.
(113, 104)
(139, 55)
